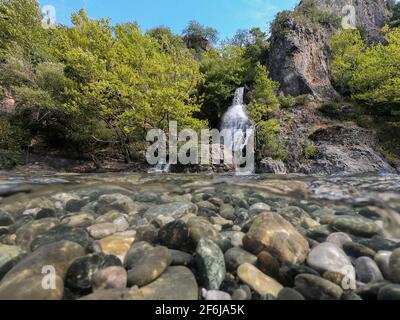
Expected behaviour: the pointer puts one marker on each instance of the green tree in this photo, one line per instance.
(127, 80)
(347, 46)
(199, 37)
(255, 43)
(263, 108)
(20, 23)
(376, 80)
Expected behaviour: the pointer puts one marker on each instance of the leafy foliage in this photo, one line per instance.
(139, 82)
(263, 107)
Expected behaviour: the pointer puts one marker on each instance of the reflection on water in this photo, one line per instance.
(378, 190)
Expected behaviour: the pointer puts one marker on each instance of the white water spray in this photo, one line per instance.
(236, 122)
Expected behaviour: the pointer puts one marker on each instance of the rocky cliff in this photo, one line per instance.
(300, 57)
(339, 149)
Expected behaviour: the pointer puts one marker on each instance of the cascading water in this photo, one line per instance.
(160, 167)
(236, 122)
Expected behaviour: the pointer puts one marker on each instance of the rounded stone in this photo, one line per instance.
(339, 238)
(62, 233)
(236, 256)
(136, 252)
(258, 281)
(5, 219)
(74, 205)
(175, 235)
(394, 265)
(329, 257)
(215, 295)
(288, 273)
(180, 258)
(389, 292)
(118, 244)
(45, 213)
(357, 250)
(356, 226)
(176, 283)
(59, 255)
(102, 230)
(259, 208)
(227, 211)
(27, 233)
(82, 220)
(80, 273)
(336, 278)
(367, 271)
(241, 294)
(32, 289)
(268, 264)
(210, 264)
(149, 267)
(270, 231)
(201, 228)
(114, 277)
(174, 210)
(382, 259)
(289, 294)
(316, 288)
(115, 201)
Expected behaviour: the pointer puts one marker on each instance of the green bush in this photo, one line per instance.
(11, 140)
(287, 102)
(303, 100)
(310, 151)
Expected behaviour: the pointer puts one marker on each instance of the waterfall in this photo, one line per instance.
(160, 167)
(236, 122)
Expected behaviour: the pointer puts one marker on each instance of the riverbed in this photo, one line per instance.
(167, 236)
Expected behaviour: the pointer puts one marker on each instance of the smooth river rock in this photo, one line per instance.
(236, 256)
(389, 292)
(329, 257)
(367, 271)
(316, 288)
(258, 281)
(80, 273)
(149, 267)
(210, 263)
(356, 226)
(339, 238)
(172, 210)
(394, 265)
(382, 259)
(110, 278)
(117, 202)
(176, 283)
(117, 244)
(59, 255)
(270, 231)
(62, 233)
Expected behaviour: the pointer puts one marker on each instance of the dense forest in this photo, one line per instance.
(92, 89)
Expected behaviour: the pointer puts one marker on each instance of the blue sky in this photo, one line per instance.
(226, 16)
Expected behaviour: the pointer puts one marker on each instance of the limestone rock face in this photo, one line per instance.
(300, 57)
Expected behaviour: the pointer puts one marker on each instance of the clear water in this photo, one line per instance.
(349, 192)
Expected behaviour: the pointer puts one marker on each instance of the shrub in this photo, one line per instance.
(11, 139)
(310, 151)
(287, 102)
